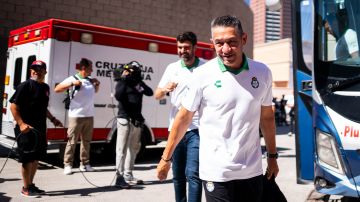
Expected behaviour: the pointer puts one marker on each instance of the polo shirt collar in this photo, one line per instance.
(79, 75)
(244, 66)
(195, 64)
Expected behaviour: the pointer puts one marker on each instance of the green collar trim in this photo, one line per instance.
(195, 64)
(244, 66)
(78, 74)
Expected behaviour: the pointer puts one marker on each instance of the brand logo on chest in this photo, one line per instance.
(254, 82)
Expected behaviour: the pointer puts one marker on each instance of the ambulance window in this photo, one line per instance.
(31, 59)
(17, 72)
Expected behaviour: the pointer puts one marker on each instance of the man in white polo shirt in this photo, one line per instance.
(232, 95)
(81, 114)
(186, 155)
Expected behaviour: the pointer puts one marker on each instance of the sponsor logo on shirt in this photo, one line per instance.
(217, 84)
(254, 82)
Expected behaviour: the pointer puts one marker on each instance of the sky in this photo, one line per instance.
(247, 1)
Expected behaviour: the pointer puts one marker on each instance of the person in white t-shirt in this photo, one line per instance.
(346, 38)
(233, 96)
(81, 114)
(186, 155)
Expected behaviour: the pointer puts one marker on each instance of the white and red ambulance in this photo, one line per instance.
(61, 44)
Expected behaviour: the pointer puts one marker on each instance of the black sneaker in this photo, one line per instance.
(120, 182)
(30, 193)
(36, 189)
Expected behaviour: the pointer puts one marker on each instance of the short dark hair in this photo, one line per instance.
(85, 62)
(187, 36)
(228, 21)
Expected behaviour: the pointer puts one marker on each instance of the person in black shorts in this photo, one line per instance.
(29, 107)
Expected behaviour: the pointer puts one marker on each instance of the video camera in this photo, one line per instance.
(133, 73)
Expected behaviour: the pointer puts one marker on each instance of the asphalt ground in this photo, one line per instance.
(97, 186)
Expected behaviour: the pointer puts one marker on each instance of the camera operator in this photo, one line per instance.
(129, 92)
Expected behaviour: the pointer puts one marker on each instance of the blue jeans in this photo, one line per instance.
(186, 167)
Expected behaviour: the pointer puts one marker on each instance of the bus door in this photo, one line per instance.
(302, 66)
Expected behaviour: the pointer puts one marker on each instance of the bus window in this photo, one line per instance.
(31, 59)
(17, 72)
(307, 37)
(338, 33)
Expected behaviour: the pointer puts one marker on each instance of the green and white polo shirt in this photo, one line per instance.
(179, 73)
(229, 106)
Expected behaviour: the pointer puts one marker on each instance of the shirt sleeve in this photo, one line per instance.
(166, 77)
(267, 100)
(193, 97)
(20, 95)
(68, 80)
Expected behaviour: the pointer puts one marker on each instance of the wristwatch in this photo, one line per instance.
(272, 156)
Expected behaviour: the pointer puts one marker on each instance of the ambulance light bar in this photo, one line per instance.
(26, 34)
(37, 32)
(86, 38)
(153, 47)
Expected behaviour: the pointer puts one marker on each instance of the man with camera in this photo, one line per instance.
(81, 114)
(129, 92)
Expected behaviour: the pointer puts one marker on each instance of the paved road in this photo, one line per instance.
(76, 188)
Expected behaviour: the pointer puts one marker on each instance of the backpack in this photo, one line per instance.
(68, 97)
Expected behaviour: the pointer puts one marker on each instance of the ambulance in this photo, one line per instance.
(62, 44)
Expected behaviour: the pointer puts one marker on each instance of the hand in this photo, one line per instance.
(24, 128)
(76, 83)
(163, 169)
(272, 168)
(95, 82)
(169, 87)
(57, 123)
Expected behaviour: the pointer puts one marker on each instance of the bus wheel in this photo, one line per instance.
(316, 196)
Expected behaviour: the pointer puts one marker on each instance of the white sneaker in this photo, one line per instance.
(67, 170)
(86, 168)
(130, 179)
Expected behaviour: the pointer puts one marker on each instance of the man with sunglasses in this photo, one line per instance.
(29, 106)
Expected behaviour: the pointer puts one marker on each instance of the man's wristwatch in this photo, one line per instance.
(272, 156)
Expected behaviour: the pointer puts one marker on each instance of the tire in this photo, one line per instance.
(110, 148)
(145, 140)
(61, 151)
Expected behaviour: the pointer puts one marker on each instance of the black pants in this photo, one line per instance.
(247, 190)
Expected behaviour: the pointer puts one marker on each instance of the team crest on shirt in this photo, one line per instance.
(254, 82)
(218, 84)
(210, 186)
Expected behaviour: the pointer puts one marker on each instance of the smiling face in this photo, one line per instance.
(38, 74)
(229, 45)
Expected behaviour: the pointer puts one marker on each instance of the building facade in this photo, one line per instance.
(271, 25)
(272, 43)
